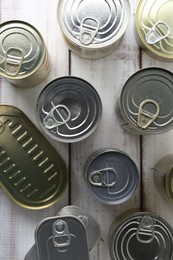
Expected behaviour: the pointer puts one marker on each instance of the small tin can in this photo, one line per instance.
(93, 29)
(146, 102)
(111, 176)
(155, 28)
(68, 109)
(163, 176)
(62, 238)
(24, 59)
(31, 171)
(143, 236)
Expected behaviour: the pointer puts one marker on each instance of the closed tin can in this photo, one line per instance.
(68, 109)
(155, 28)
(93, 29)
(62, 238)
(143, 236)
(163, 176)
(111, 176)
(24, 59)
(31, 171)
(146, 102)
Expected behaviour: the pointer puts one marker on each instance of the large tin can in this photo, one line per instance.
(31, 171)
(24, 59)
(68, 109)
(93, 29)
(143, 236)
(163, 176)
(146, 102)
(155, 28)
(111, 176)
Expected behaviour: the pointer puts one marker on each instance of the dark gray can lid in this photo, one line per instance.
(69, 109)
(143, 236)
(111, 176)
(146, 101)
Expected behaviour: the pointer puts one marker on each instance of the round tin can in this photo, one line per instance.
(143, 236)
(68, 109)
(93, 29)
(111, 176)
(146, 101)
(92, 227)
(155, 28)
(163, 176)
(24, 59)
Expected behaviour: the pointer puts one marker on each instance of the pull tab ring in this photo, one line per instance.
(61, 235)
(153, 36)
(146, 118)
(13, 63)
(87, 32)
(97, 178)
(145, 229)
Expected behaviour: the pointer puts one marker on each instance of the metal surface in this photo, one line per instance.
(146, 101)
(62, 238)
(24, 58)
(119, 176)
(143, 236)
(68, 109)
(31, 171)
(155, 28)
(93, 29)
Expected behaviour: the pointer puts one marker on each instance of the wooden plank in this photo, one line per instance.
(108, 76)
(17, 225)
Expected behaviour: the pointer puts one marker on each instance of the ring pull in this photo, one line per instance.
(158, 32)
(51, 122)
(88, 32)
(145, 232)
(13, 62)
(61, 235)
(101, 177)
(145, 118)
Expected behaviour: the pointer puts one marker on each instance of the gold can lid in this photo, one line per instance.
(22, 49)
(155, 27)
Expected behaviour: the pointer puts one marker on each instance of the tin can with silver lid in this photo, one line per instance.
(24, 59)
(163, 177)
(155, 28)
(143, 236)
(111, 176)
(93, 29)
(146, 102)
(68, 109)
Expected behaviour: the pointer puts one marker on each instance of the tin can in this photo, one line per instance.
(93, 29)
(31, 171)
(141, 236)
(24, 59)
(111, 176)
(154, 28)
(68, 109)
(146, 102)
(62, 238)
(163, 176)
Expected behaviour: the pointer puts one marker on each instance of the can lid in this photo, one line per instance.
(169, 183)
(111, 176)
(22, 49)
(62, 238)
(93, 24)
(142, 236)
(146, 101)
(68, 109)
(155, 28)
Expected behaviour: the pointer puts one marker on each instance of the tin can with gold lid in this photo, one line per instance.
(154, 28)
(24, 59)
(93, 29)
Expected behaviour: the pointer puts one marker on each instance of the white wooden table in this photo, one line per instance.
(107, 75)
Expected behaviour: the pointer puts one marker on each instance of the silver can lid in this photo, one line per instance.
(62, 238)
(142, 236)
(93, 24)
(146, 101)
(111, 176)
(68, 109)
(22, 50)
